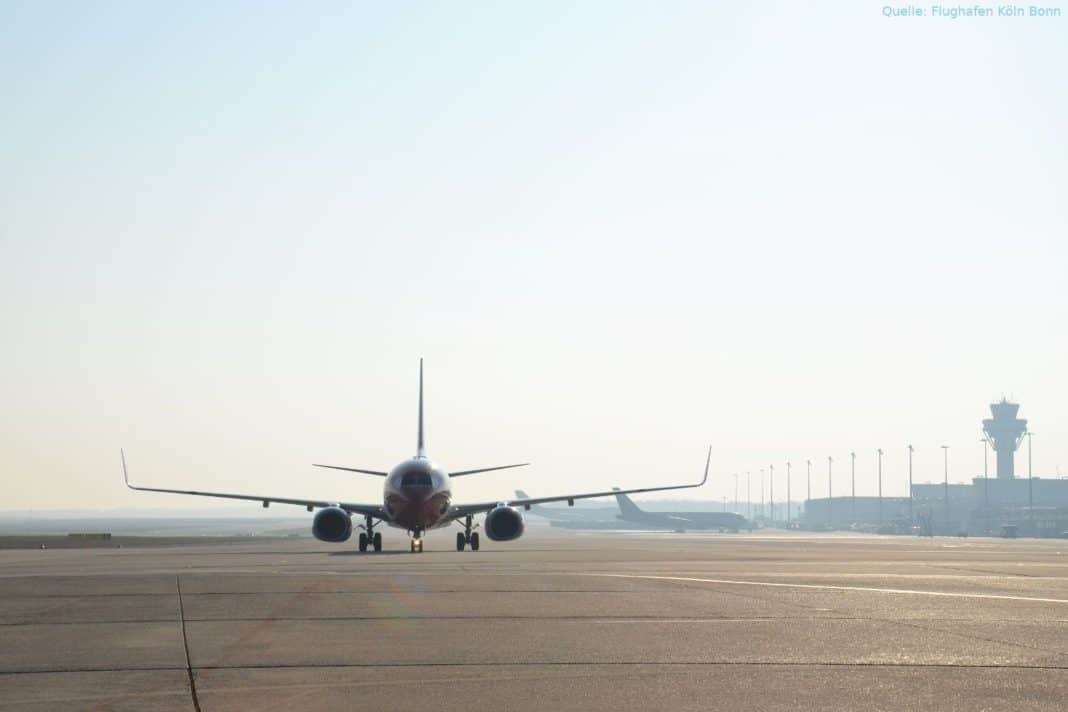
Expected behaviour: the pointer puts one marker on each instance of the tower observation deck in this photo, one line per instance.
(1004, 432)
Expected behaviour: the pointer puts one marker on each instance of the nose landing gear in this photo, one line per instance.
(416, 542)
(467, 537)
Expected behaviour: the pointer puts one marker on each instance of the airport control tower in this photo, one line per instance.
(1004, 432)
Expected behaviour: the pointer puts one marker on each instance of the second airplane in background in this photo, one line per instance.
(679, 521)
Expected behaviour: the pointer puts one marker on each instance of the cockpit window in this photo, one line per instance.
(416, 479)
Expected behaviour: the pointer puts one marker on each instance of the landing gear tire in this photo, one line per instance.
(363, 541)
(468, 537)
(417, 547)
(376, 541)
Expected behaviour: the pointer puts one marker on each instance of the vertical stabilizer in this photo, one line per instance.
(420, 448)
(627, 508)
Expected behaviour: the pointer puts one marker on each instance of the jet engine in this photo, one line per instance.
(332, 524)
(504, 523)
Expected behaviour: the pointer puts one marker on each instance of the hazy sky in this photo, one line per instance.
(618, 233)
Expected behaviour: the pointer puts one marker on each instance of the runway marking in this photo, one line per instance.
(829, 587)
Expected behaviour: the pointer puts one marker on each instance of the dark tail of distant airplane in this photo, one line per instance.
(627, 508)
(537, 509)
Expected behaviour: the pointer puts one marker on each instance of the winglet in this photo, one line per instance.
(420, 448)
(707, 463)
(125, 477)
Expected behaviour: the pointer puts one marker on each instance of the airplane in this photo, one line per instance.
(580, 514)
(417, 497)
(679, 521)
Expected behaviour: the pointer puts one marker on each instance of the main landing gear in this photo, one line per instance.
(467, 537)
(370, 537)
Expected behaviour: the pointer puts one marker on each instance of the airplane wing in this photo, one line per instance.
(367, 510)
(463, 510)
(461, 473)
(377, 473)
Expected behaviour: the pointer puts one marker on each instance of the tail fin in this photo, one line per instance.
(626, 507)
(420, 447)
(536, 508)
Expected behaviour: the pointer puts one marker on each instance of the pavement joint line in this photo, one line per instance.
(63, 671)
(590, 618)
(185, 645)
(919, 625)
(557, 663)
(830, 587)
(369, 592)
(635, 663)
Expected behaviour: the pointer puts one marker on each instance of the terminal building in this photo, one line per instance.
(1030, 506)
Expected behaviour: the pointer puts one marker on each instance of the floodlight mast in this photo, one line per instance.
(945, 452)
(880, 451)
(853, 483)
(771, 487)
(986, 473)
(788, 494)
(763, 502)
(830, 511)
(1030, 490)
(911, 519)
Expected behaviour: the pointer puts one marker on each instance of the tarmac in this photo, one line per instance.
(559, 620)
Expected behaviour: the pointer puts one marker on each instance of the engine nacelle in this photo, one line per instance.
(504, 523)
(332, 524)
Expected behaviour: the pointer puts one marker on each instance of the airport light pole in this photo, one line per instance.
(762, 500)
(809, 495)
(911, 520)
(986, 469)
(735, 491)
(880, 451)
(771, 488)
(1030, 490)
(748, 496)
(830, 512)
(945, 454)
(787, 494)
(853, 482)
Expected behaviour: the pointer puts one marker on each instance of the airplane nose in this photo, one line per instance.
(421, 508)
